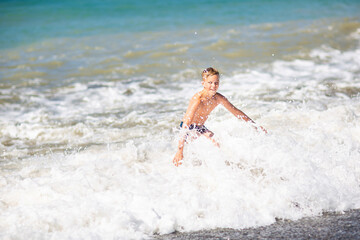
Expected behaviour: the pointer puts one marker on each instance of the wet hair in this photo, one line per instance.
(209, 72)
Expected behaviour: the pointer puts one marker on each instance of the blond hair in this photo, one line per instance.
(209, 72)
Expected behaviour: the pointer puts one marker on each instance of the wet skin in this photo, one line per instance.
(199, 109)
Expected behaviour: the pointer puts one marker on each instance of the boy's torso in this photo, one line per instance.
(206, 106)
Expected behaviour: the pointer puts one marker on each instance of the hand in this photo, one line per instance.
(178, 159)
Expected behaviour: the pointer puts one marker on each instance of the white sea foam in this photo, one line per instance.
(306, 165)
(92, 159)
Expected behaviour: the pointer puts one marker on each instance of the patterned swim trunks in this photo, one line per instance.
(199, 128)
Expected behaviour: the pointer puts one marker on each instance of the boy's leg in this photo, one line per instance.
(209, 135)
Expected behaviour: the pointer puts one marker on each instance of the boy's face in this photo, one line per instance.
(211, 83)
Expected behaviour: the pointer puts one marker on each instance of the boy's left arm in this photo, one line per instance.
(234, 110)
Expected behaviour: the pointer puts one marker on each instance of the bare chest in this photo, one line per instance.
(206, 106)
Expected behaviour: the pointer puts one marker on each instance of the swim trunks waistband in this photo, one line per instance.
(199, 128)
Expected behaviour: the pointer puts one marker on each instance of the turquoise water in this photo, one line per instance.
(23, 22)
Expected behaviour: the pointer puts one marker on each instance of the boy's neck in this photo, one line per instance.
(207, 94)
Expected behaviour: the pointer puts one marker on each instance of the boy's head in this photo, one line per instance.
(210, 80)
(209, 72)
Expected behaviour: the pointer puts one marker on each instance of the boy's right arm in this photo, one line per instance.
(190, 112)
(179, 154)
(189, 115)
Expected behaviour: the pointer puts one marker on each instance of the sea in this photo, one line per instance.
(92, 94)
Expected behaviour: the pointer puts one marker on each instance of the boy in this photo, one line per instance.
(201, 105)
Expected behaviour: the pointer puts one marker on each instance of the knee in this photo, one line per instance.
(210, 134)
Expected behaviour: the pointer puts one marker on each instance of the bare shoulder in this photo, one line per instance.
(196, 98)
(220, 98)
(219, 95)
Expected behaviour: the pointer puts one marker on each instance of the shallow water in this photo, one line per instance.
(89, 122)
